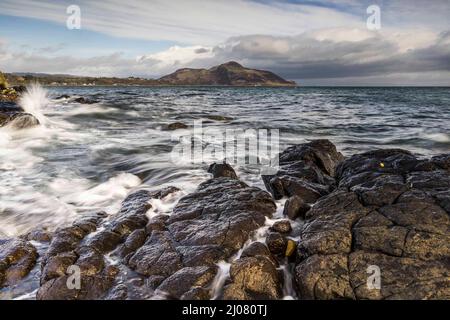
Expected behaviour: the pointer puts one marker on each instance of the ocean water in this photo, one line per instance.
(88, 157)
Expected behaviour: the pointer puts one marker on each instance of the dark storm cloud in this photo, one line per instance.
(303, 57)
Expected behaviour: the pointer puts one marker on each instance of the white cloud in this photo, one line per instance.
(175, 57)
(305, 42)
(185, 21)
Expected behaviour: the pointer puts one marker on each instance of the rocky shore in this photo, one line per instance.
(385, 208)
(10, 112)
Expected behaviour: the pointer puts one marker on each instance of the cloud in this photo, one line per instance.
(175, 57)
(188, 22)
(315, 42)
(310, 57)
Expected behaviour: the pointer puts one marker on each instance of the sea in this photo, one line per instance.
(88, 156)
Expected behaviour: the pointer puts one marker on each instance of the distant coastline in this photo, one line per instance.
(230, 74)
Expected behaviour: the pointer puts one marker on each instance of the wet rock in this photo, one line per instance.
(196, 293)
(9, 107)
(253, 278)
(306, 171)
(276, 243)
(156, 223)
(219, 117)
(295, 207)
(20, 89)
(222, 170)
(183, 280)
(176, 126)
(158, 256)
(17, 258)
(290, 248)
(257, 249)
(83, 100)
(63, 96)
(39, 235)
(85, 244)
(282, 226)
(206, 226)
(18, 120)
(389, 212)
(223, 211)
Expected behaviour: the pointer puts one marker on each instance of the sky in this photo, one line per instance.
(314, 42)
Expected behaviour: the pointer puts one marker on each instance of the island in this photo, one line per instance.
(226, 74)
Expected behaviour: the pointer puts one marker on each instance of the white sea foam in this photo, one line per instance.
(34, 100)
(438, 137)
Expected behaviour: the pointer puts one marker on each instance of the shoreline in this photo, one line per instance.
(335, 196)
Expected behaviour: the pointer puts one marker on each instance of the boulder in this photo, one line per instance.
(276, 243)
(389, 214)
(306, 171)
(17, 258)
(20, 120)
(295, 207)
(222, 170)
(281, 226)
(176, 126)
(253, 278)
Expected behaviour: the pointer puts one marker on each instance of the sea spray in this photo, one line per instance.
(34, 100)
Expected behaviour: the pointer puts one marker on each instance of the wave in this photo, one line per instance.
(34, 100)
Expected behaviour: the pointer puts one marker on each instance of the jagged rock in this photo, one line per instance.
(282, 226)
(295, 207)
(17, 258)
(306, 171)
(176, 126)
(222, 170)
(388, 212)
(84, 100)
(63, 96)
(276, 243)
(196, 293)
(39, 235)
(256, 249)
(85, 243)
(22, 121)
(181, 282)
(219, 117)
(253, 278)
(205, 227)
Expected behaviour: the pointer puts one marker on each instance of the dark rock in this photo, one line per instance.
(196, 293)
(219, 117)
(63, 96)
(276, 243)
(9, 107)
(19, 120)
(253, 278)
(295, 207)
(20, 89)
(83, 246)
(222, 170)
(389, 211)
(158, 256)
(84, 100)
(39, 235)
(183, 280)
(17, 258)
(282, 226)
(176, 126)
(258, 249)
(157, 223)
(306, 170)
